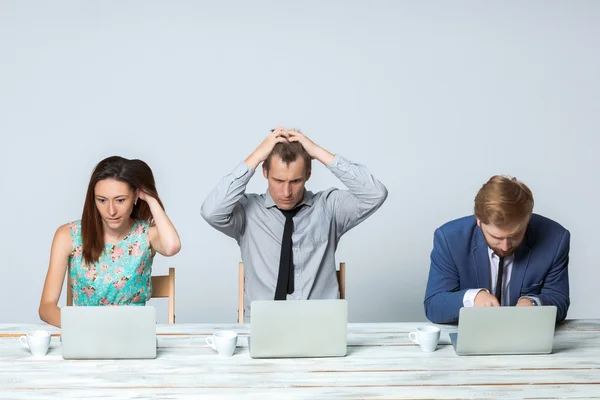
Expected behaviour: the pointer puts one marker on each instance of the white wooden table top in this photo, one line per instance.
(382, 363)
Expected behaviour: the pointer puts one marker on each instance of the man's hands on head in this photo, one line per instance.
(297, 136)
(281, 134)
(314, 151)
(261, 153)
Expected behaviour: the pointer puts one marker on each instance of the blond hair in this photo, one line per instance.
(503, 200)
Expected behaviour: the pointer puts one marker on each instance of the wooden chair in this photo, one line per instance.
(341, 277)
(162, 286)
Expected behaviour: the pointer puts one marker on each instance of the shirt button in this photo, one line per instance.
(295, 249)
(297, 273)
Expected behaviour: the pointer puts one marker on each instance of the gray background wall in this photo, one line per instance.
(433, 96)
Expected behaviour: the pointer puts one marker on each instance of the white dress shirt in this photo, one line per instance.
(469, 297)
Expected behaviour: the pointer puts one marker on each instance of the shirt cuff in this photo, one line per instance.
(339, 162)
(241, 169)
(469, 297)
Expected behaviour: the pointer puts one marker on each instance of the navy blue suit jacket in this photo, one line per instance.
(460, 261)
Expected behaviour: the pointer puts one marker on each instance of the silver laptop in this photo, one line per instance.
(505, 330)
(108, 332)
(298, 328)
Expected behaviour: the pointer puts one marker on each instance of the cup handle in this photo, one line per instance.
(23, 340)
(413, 336)
(211, 342)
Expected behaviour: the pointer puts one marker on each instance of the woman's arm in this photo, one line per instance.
(163, 237)
(59, 259)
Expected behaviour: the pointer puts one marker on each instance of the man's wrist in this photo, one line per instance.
(323, 155)
(469, 297)
(533, 300)
(252, 162)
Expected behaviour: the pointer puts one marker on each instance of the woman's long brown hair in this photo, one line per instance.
(135, 173)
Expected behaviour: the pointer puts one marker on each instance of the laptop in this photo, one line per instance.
(504, 330)
(298, 328)
(106, 332)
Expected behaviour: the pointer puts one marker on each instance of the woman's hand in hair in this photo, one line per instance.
(143, 195)
(153, 204)
(163, 236)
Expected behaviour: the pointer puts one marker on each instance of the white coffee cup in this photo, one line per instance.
(427, 337)
(223, 342)
(37, 342)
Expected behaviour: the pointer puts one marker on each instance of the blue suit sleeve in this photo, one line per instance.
(555, 289)
(443, 299)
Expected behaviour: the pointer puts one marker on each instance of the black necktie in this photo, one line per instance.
(499, 280)
(285, 279)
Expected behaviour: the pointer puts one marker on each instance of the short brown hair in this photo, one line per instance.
(503, 200)
(289, 152)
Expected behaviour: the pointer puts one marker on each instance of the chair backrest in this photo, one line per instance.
(162, 286)
(341, 277)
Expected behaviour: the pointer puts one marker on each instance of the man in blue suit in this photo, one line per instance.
(503, 255)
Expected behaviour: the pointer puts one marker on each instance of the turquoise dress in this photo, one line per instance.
(122, 274)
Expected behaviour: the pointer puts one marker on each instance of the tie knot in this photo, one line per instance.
(291, 213)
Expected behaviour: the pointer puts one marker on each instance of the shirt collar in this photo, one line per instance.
(308, 199)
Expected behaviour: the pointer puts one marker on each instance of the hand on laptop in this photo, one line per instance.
(524, 302)
(485, 299)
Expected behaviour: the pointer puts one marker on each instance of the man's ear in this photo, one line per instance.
(308, 173)
(265, 172)
(478, 222)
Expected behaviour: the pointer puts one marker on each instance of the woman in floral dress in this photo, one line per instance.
(109, 252)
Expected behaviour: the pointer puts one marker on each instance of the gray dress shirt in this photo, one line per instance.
(256, 223)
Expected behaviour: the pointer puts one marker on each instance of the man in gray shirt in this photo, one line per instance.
(288, 235)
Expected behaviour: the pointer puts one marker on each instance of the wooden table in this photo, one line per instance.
(382, 363)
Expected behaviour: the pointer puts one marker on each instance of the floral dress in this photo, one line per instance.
(122, 274)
